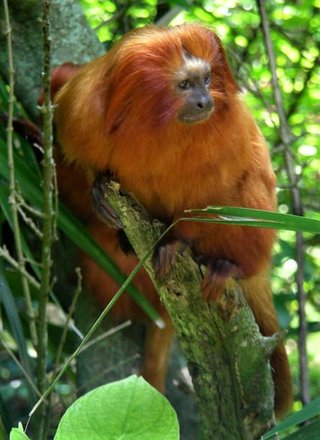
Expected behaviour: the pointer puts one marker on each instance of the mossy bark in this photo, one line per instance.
(227, 356)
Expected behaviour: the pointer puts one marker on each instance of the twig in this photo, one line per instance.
(93, 381)
(250, 84)
(55, 202)
(105, 335)
(286, 138)
(48, 220)
(171, 14)
(69, 315)
(29, 222)
(115, 17)
(13, 192)
(4, 253)
(33, 211)
(298, 95)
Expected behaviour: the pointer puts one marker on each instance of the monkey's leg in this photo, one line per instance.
(157, 351)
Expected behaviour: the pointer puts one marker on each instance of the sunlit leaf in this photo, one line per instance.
(130, 409)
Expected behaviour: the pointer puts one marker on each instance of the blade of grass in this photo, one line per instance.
(308, 432)
(309, 411)
(256, 218)
(12, 314)
(6, 421)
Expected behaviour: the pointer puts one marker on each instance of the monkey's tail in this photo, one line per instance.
(259, 296)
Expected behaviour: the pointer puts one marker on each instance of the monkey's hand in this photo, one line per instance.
(217, 273)
(164, 256)
(103, 210)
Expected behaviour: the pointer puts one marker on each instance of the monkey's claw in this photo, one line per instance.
(104, 211)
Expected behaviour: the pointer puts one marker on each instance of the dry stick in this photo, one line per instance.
(48, 221)
(13, 198)
(286, 138)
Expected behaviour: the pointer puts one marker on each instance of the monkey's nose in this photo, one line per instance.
(205, 103)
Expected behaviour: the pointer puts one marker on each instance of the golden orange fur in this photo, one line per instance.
(118, 114)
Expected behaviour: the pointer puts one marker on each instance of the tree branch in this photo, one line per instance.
(226, 354)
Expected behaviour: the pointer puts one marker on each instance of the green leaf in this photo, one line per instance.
(128, 409)
(308, 432)
(18, 433)
(256, 218)
(309, 411)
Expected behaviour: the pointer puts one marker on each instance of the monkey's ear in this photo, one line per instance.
(186, 55)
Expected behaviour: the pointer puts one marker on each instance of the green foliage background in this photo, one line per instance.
(295, 30)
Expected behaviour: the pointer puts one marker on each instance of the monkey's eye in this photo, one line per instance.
(207, 79)
(185, 84)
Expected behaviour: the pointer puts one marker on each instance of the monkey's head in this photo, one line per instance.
(164, 76)
(192, 85)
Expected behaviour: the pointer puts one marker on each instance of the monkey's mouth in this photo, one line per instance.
(194, 117)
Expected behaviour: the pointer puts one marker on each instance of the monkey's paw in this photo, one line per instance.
(217, 273)
(164, 256)
(103, 210)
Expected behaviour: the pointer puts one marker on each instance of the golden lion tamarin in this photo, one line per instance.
(161, 113)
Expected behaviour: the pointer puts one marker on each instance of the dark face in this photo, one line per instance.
(192, 83)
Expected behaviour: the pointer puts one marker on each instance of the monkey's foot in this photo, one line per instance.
(104, 211)
(164, 256)
(217, 273)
